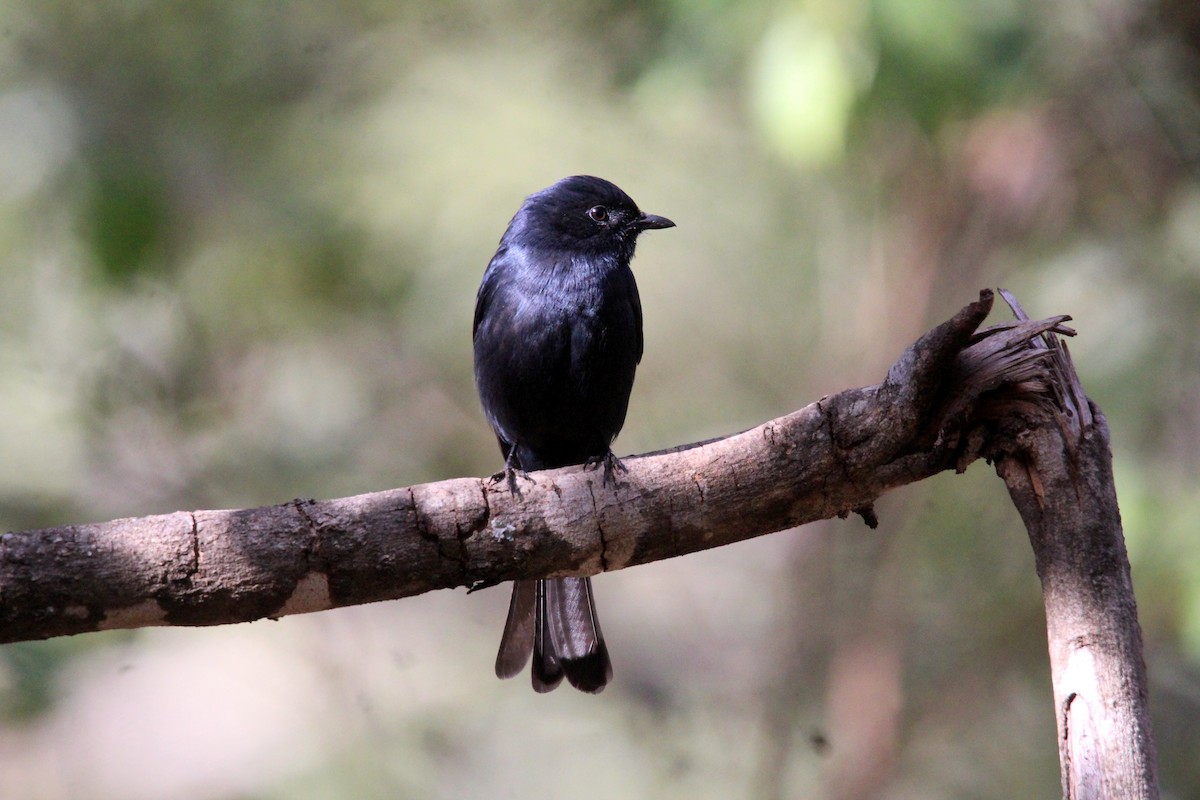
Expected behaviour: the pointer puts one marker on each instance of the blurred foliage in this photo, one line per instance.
(240, 244)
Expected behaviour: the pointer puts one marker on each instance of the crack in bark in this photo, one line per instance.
(487, 506)
(442, 546)
(836, 450)
(312, 546)
(193, 567)
(768, 433)
(418, 520)
(1068, 783)
(599, 528)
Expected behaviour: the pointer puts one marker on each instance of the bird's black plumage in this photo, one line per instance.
(558, 336)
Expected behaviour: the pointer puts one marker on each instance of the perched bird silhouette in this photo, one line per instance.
(558, 336)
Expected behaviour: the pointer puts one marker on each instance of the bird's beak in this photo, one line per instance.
(651, 221)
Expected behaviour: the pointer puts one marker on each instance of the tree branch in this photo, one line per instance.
(1008, 393)
(1051, 447)
(831, 458)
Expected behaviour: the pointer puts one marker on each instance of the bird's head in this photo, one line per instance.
(583, 214)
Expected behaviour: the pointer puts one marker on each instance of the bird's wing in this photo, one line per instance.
(637, 323)
(487, 287)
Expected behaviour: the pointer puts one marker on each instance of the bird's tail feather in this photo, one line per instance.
(547, 669)
(517, 642)
(575, 633)
(555, 621)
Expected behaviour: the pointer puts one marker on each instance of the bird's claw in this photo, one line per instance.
(512, 469)
(510, 475)
(612, 465)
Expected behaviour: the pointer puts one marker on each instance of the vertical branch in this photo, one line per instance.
(1058, 470)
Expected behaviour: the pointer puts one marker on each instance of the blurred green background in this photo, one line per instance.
(240, 243)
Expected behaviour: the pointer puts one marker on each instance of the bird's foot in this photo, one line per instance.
(512, 469)
(510, 475)
(612, 465)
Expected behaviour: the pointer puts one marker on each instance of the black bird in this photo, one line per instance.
(558, 335)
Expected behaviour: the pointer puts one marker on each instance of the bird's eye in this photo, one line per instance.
(598, 213)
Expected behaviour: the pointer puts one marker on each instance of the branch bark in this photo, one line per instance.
(214, 567)
(1051, 448)
(1007, 393)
